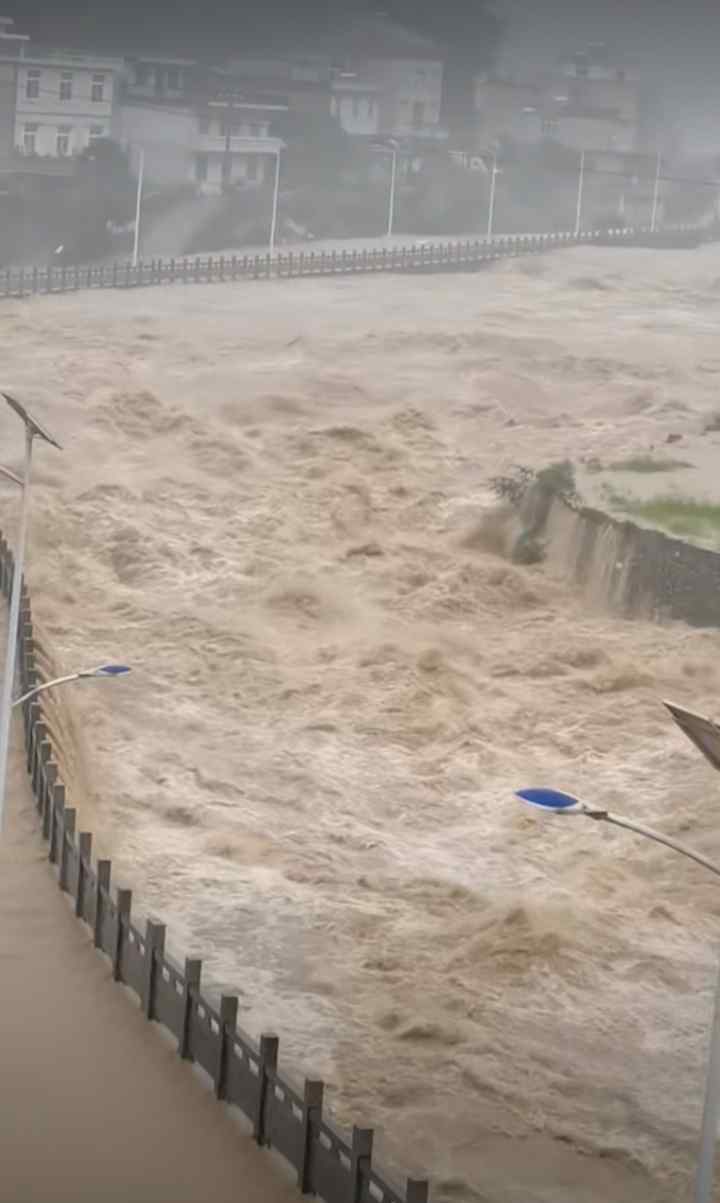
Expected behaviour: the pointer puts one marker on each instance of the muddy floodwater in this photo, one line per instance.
(268, 504)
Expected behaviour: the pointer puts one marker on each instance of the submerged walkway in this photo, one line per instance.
(94, 1104)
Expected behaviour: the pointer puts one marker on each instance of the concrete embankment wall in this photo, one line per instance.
(637, 572)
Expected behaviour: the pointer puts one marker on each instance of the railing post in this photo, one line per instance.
(192, 975)
(228, 1025)
(123, 906)
(34, 714)
(84, 852)
(102, 888)
(50, 777)
(40, 738)
(68, 832)
(269, 1046)
(154, 948)
(360, 1160)
(312, 1116)
(57, 806)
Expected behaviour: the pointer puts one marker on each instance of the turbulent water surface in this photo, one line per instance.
(268, 504)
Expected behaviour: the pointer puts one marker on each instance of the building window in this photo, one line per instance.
(66, 85)
(418, 114)
(173, 79)
(30, 139)
(63, 140)
(32, 85)
(97, 94)
(96, 133)
(141, 74)
(551, 128)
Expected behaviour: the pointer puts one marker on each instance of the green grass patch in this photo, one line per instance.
(648, 464)
(679, 515)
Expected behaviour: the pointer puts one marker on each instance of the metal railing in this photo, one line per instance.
(285, 1116)
(453, 255)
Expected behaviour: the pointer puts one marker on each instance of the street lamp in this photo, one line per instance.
(276, 199)
(390, 147)
(656, 193)
(496, 171)
(581, 184)
(104, 671)
(138, 207)
(33, 430)
(706, 737)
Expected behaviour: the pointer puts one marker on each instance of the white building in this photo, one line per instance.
(205, 146)
(64, 102)
(12, 47)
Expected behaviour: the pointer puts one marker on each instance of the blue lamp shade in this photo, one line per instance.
(111, 670)
(550, 799)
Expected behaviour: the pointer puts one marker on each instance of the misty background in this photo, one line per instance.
(334, 183)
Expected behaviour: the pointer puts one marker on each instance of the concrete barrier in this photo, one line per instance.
(634, 571)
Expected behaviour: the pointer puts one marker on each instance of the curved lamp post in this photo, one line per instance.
(103, 671)
(706, 736)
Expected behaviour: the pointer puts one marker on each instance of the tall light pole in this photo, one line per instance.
(138, 207)
(276, 200)
(581, 185)
(706, 736)
(491, 206)
(390, 147)
(33, 430)
(393, 186)
(656, 193)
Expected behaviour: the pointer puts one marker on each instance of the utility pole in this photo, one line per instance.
(229, 106)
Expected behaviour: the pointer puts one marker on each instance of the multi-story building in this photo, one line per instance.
(588, 103)
(158, 77)
(506, 108)
(302, 80)
(387, 80)
(12, 47)
(218, 140)
(64, 102)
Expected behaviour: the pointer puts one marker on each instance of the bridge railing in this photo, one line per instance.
(452, 255)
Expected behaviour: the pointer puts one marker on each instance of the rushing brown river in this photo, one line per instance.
(267, 504)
